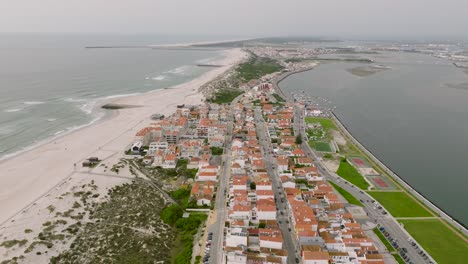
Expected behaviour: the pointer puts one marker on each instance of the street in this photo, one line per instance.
(289, 242)
(217, 228)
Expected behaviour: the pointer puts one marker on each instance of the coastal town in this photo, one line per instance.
(248, 173)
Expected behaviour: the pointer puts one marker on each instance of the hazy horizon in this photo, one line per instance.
(365, 19)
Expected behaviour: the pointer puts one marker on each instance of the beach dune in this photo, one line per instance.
(30, 175)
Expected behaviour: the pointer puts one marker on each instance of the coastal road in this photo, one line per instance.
(289, 242)
(372, 209)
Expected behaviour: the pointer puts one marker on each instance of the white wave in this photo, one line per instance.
(179, 70)
(120, 95)
(59, 132)
(51, 119)
(207, 60)
(147, 78)
(53, 137)
(159, 78)
(73, 100)
(13, 110)
(33, 103)
(88, 106)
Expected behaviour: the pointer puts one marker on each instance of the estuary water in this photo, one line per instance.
(50, 84)
(413, 117)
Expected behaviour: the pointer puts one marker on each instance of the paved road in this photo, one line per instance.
(374, 213)
(217, 228)
(289, 242)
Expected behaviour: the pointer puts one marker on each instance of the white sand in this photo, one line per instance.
(25, 178)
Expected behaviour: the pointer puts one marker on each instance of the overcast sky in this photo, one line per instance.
(359, 18)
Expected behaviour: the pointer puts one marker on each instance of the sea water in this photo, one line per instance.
(49, 84)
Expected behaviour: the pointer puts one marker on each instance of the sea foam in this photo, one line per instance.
(33, 103)
(159, 78)
(13, 110)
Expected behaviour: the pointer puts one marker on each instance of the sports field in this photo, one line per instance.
(359, 162)
(438, 240)
(349, 173)
(326, 123)
(381, 182)
(399, 204)
(322, 146)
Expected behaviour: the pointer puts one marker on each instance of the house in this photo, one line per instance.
(305, 161)
(298, 152)
(270, 238)
(202, 192)
(264, 194)
(158, 158)
(264, 185)
(239, 182)
(207, 173)
(193, 163)
(147, 133)
(171, 136)
(266, 209)
(287, 182)
(169, 161)
(283, 164)
(236, 236)
(315, 257)
(190, 148)
(240, 212)
(202, 128)
(156, 145)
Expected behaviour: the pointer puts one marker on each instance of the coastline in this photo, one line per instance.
(33, 173)
(450, 221)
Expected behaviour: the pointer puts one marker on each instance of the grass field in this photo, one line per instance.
(351, 199)
(399, 204)
(326, 123)
(349, 173)
(439, 241)
(321, 146)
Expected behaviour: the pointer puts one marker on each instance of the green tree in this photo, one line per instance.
(171, 214)
(299, 139)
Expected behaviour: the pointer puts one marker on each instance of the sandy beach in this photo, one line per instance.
(30, 176)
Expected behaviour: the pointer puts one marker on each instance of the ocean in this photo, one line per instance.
(49, 84)
(413, 117)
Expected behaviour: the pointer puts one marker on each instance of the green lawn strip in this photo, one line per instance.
(398, 258)
(384, 240)
(399, 204)
(351, 199)
(326, 123)
(349, 173)
(438, 240)
(322, 146)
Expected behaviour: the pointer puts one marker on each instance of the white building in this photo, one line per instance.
(236, 237)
